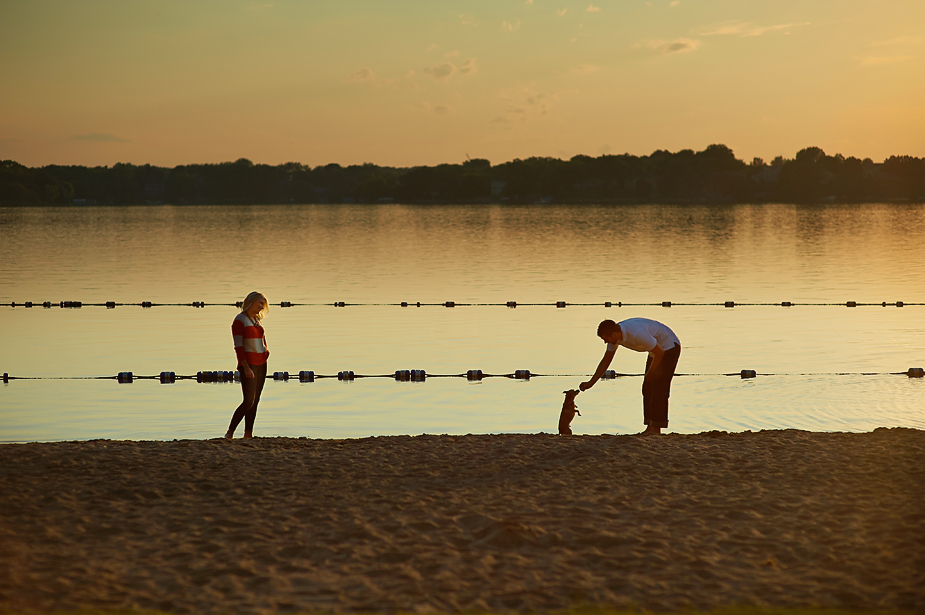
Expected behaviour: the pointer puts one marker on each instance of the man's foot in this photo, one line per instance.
(229, 435)
(650, 431)
(248, 435)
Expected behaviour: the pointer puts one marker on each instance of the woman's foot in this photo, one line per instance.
(650, 431)
(248, 435)
(229, 435)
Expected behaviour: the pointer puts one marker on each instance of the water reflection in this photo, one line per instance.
(485, 254)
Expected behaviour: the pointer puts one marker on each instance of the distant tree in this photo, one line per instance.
(849, 180)
(21, 185)
(810, 155)
(475, 180)
(14, 193)
(802, 178)
(906, 176)
(13, 179)
(621, 176)
(180, 186)
(534, 178)
(674, 176)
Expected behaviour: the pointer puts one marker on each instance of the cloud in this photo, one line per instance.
(561, 12)
(441, 72)
(900, 41)
(593, 9)
(524, 104)
(503, 123)
(680, 45)
(100, 137)
(510, 27)
(409, 80)
(436, 109)
(584, 69)
(747, 28)
(445, 70)
(881, 60)
(539, 101)
(676, 3)
(528, 2)
(406, 81)
(469, 68)
(364, 74)
(451, 54)
(903, 42)
(468, 19)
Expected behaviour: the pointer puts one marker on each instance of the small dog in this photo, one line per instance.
(569, 410)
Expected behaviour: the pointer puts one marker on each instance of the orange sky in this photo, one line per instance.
(422, 83)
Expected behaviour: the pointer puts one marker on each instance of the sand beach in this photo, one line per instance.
(509, 523)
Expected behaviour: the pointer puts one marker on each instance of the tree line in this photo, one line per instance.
(713, 175)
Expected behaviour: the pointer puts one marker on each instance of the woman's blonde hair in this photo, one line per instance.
(249, 301)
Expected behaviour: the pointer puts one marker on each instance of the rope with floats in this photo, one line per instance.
(453, 304)
(420, 375)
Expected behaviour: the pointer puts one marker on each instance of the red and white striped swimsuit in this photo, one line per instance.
(250, 344)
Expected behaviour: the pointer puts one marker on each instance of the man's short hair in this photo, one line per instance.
(607, 327)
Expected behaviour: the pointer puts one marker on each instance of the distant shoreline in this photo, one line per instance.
(711, 176)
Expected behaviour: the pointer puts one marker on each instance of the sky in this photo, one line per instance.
(425, 82)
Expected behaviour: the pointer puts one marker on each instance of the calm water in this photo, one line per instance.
(817, 356)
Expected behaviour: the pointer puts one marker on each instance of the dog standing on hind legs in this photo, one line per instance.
(569, 410)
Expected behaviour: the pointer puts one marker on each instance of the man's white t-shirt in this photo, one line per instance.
(644, 334)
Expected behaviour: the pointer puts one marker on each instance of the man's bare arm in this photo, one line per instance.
(601, 368)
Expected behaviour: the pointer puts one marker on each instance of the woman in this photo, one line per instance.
(250, 345)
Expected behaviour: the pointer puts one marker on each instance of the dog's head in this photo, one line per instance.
(570, 395)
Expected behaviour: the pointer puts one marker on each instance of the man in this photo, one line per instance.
(664, 348)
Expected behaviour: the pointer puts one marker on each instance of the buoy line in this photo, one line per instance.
(420, 375)
(453, 304)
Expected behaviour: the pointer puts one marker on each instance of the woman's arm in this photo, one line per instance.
(237, 335)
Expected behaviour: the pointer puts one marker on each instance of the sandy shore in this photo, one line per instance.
(499, 522)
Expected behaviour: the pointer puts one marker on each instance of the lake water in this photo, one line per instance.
(821, 367)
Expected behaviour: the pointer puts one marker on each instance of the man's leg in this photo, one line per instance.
(650, 410)
(655, 395)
